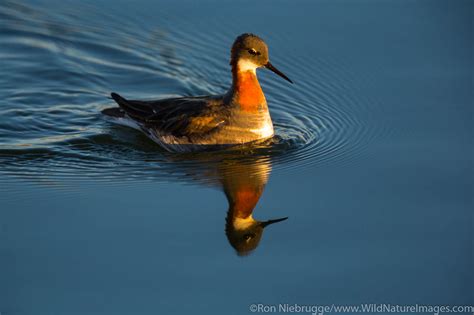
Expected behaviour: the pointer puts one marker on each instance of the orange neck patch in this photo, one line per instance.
(245, 200)
(249, 92)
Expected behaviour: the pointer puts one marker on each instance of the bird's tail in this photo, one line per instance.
(118, 99)
(115, 112)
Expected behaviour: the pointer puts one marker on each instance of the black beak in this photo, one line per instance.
(269, 66)
(267, 223)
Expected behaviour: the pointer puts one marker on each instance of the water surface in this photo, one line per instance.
(372, 161)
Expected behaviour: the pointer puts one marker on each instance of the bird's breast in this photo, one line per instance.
(250, 96)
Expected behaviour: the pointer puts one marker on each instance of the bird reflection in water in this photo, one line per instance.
(242, 175)
(243, 183)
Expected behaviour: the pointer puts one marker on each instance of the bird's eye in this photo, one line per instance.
(253, 52)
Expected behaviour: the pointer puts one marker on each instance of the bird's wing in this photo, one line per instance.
(185, 116)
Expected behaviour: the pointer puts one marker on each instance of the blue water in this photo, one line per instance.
(372, 162)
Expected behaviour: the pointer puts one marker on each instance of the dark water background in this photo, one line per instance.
(373, 160)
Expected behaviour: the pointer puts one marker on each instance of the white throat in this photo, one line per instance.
(243, 223)
(246, 65)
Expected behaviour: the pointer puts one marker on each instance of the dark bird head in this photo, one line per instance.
(250, 52)
(244, 234)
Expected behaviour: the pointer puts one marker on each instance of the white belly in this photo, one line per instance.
(264, 131)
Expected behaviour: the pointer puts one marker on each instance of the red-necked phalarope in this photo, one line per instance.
(191, 123)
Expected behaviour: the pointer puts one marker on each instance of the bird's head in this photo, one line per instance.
(249, 52)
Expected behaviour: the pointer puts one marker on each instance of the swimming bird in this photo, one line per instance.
(187, 124)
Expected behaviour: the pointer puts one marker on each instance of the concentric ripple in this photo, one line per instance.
(50, 123)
